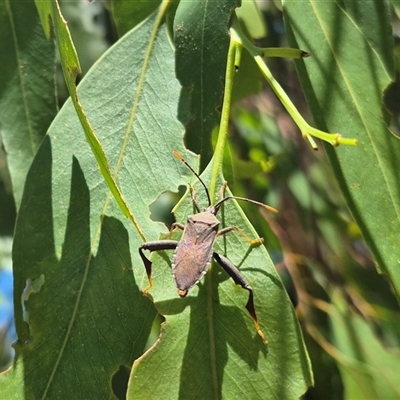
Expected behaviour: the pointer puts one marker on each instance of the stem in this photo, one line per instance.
(233, 58)
(284, 52)
(307, 131)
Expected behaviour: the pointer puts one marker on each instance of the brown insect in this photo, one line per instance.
(194, 252)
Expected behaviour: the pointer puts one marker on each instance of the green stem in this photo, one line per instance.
(284, 52)
(233, 58)
(307, 131)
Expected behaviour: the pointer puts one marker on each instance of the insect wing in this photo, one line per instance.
(194, 252)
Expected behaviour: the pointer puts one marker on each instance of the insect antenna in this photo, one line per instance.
(179, 157)
(218, 205)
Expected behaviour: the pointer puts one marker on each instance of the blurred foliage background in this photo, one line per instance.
(348, 312)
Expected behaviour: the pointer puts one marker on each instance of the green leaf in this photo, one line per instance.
(81, 318)
(202, 42)
(368, 369)
(344, 83)
(208, 346)
(27, 87)
(127, 13)
(85, 316)
(50, 11)
(250, 16)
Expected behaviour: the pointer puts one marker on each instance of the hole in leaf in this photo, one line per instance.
(119, 382)
(155, 331)
(161, 209)
(32, 286)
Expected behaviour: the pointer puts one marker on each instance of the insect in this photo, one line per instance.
(195, 250)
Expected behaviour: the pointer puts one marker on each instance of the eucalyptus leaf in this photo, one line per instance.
(368, 369)
(208, 346)
(202, 42)
(86, 316)
(344, 82)
(27, 87)
(128, 14)
(251, 17)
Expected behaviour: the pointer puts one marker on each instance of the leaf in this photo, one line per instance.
(202, 42)
(209, 347)
(27, 87)
(367, 368)
(128, 14)
(251, 17)
(50, 11)
(346, 98)
(85, 316)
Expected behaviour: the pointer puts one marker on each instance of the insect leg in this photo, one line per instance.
(194, 200)
(223, 189)
(224, 231)
(239, 279)
(174, 226)
(154, 246)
